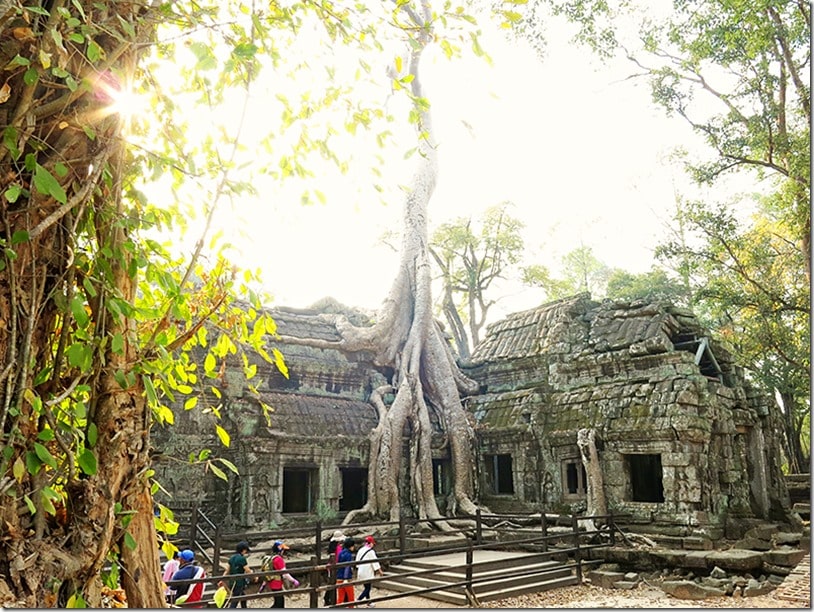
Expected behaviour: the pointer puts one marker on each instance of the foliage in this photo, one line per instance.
(580, 271)
(105, 323)
(470, 260)
(654, 285)
(748, 287)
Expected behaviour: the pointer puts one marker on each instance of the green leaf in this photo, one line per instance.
(129, 541)
(31, 76)
(223, 435)
(19, 236)
(31, 507)
(87, 462)
(80, 315)
(45, 455)
(76, 601)
(13, 192)
(190, 403)
(93, 434)
(229, 465)
(18, 470)
(152, 396)
(46, 184)
(32, 462)
(46, 435)
(117, 344)
(218, 472)
(47, 504)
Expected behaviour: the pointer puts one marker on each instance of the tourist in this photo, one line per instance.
(334, 548)
(344, 575)
(279, 575)
(366, 571)
(170, 567)
(239, 565)
(189, 571)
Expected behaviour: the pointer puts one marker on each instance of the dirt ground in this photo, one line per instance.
(584, 596)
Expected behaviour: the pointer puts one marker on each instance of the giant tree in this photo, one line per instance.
(407, 339)
(97, 312)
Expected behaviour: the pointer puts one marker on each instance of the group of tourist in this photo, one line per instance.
(342, 550)
(342, 553)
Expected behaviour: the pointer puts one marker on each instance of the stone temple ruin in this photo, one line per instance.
(688, 449)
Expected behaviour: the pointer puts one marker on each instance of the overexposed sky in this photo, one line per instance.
(581, 151)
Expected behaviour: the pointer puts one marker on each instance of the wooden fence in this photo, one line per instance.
(569, 539)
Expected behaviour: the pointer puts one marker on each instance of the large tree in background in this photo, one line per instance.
(747, 286)
(738, 73)
(470, 259)
(97, 314)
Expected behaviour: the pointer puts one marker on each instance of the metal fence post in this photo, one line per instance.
(318, 541)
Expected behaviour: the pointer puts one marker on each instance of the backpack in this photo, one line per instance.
(267, 564)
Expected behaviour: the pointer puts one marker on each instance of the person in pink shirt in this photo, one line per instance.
(170, 567)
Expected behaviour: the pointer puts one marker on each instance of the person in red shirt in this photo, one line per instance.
(276, 582)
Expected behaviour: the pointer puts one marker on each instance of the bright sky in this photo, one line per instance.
(582, 152)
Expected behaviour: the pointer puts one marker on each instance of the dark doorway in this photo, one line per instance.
(440, 476)
(498, 472)
(574, 478)
(354, 488)
(299, 489)
(645, 478)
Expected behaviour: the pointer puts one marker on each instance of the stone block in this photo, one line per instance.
(736, 559)
(752, 544)
(786, 556)
(605, 579)
(697, 543)
(626, 585)
(696, 559)
(686, 589)
(755, 588)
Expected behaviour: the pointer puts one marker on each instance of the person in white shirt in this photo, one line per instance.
(366, 571)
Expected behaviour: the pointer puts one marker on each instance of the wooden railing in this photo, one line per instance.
(573, 544)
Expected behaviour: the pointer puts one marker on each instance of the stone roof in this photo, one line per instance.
(309, 415)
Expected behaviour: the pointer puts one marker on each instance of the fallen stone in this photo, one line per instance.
(753, 544)
(686, 589)
(785, 555)
(777, 570)
(755, 588)
(717, 572)
(626, 585)
(735, 559)
(606, 580)
(787, 538)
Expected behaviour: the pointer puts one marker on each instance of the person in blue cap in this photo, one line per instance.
(188, 593)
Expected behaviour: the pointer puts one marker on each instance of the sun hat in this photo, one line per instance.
(370, 540)
(338, 536)
(187, 555)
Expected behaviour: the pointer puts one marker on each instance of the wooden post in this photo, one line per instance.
(469, 559)
(612, 526)
(216, 547)
(313, 579)
(317, 542)
(577, 552)
(544, 527)
(478, 527)
(193, 526)
(402, 535)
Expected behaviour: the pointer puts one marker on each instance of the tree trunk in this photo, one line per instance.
(407, 338)
(597, 502)
(76, 438)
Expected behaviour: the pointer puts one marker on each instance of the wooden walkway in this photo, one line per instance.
(797, 585)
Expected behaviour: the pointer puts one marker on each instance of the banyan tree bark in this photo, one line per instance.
(407, 338)
(62, 159)
(597, 502)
